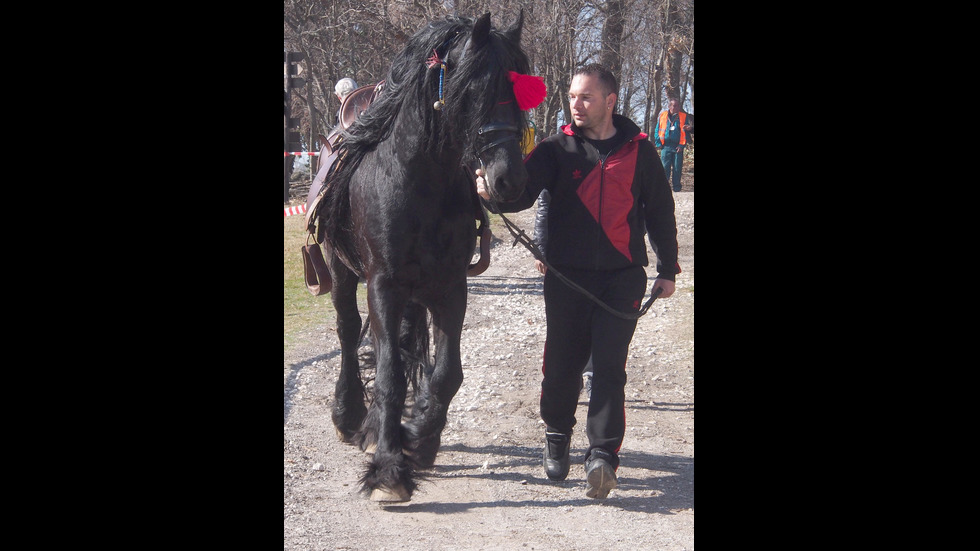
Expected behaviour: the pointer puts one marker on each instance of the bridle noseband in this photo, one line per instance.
(510, 132)
(487, 129)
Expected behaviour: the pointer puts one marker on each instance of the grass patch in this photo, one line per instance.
(498, 228)
(301, 311)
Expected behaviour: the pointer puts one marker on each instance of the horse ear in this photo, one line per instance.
(481, 31)
(514, 32)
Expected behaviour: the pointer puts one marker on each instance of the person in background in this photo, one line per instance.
(343, 87)
(608, 192)
(674, 127)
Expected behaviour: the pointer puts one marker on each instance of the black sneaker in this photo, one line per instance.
(600, 474)
(556, 455)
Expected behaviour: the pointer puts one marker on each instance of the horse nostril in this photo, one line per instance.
(508, 189)
(503, 189)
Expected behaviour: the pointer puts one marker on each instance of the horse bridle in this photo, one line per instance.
(511, 131)
(497, 127)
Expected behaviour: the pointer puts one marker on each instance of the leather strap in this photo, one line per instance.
(315, 271)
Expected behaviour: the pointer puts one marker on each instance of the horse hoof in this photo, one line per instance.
(424, 451)
(370, 449)
(384, 494)
(343, 437)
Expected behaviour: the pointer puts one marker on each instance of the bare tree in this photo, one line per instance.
(678, 38)
(611, 55)
(648, 44)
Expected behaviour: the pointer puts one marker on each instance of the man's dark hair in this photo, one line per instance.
(605, 76)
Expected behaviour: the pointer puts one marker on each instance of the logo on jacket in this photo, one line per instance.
(576, 174)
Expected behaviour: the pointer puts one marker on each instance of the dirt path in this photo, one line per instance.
(488, 490)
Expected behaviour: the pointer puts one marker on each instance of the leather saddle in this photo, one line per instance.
(353, 105)
(357, 102)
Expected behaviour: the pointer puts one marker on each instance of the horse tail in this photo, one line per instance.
(334, 212)
(414, 342)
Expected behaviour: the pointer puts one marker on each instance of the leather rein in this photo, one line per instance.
(521, 237)
(483, 230)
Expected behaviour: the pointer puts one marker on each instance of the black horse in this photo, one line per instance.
(399, 211)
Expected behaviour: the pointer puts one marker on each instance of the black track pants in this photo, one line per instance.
(578, 327)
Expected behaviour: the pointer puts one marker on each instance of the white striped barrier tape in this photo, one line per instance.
(300, 153)
(291, 211)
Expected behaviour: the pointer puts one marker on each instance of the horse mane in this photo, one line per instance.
(410, 83)
(472, 87)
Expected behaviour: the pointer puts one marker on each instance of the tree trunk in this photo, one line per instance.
(610, 54)
(658, 81)
(684, 83)
(674, 55)
(653, 83)
(674, 62)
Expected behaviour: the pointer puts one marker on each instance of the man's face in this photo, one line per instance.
(675, 106)
(591, 106)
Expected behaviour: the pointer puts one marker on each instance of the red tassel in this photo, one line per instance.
(529, 90)
(433, 60)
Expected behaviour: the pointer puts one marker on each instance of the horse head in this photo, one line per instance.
(485, 87)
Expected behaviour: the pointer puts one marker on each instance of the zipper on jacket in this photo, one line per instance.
(602, 181)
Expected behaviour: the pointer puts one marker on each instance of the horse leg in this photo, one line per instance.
(388, 477)
(348, 409)
(425, 428)
(413, 339)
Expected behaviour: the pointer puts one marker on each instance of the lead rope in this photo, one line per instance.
(523, 239)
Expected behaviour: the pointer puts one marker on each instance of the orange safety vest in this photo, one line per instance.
(663, 127)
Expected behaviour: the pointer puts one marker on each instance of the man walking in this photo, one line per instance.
(608, 191)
